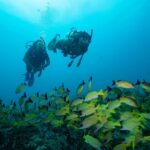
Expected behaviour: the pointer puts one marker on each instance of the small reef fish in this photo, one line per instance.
(94, 142)
(94, 95)
(77, 102)
(123, 84)
(80, 88)
(89, 111)
(21, 100)
(61, 89)
(120, 147)
(20, 88)
(145, 85)
(128, 100)
(89, 121)
(89, 86)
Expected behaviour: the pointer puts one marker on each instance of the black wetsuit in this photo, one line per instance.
(35, 61)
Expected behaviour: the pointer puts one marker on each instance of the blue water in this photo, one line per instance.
(120, 48)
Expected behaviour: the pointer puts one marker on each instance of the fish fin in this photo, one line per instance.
(109, 88)
(25, 95)
(46, 96)
(37, 94)
(68, 90)
(118, 96)
(83, 83)
(91, 78)
(137, 82)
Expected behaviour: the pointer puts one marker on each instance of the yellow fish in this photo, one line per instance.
(123, 84)
(89, 111)
(90, 121)
(56, 123)
(21, 100)
(93, 142)
(80, 88)
(145, 85)
(84, 106)
(131, 124)
(114, 104)
(89, 86)
(94, 95)
(63, 111)
(128, 100)
(120, 147)
(20, 88)
(72, 117)
(77, 102)
(61, 89)
(112, 124)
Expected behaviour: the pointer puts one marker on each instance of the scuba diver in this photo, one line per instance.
(75, 44)
(36, 60)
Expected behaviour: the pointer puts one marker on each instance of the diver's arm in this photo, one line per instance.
(27, 61)
(53, 42)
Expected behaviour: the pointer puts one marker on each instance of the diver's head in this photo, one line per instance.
(40, 45)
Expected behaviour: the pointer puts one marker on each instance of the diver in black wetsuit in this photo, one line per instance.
(36, 60)
(75, 44)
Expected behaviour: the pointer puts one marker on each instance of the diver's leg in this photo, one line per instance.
(70, 63)
(79, 62)
(31, 79)
(40, 72)
(27, 75)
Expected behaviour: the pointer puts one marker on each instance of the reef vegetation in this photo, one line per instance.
(115, 118)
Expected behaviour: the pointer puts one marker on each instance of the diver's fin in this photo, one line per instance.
(91, 34)
(79, 62)
(70, 63)
(52, 43)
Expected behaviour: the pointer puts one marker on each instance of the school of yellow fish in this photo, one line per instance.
(98, 113)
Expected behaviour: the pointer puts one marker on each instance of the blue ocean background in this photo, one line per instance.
(120, 47)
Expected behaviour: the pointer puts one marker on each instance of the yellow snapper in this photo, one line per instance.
(21, 100)
(77, 102)
(89, 86)
(94, 95)
(62, 111)
(131, 124)
(61, 89)
(72, 116)
(84, 106)
(20, 88)
(114, 104)
(128, 100)
(80, 88)
(145, 85)
(93, 142)
(89, 111)
(120, 147)
(90, 121)
(123, 84)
